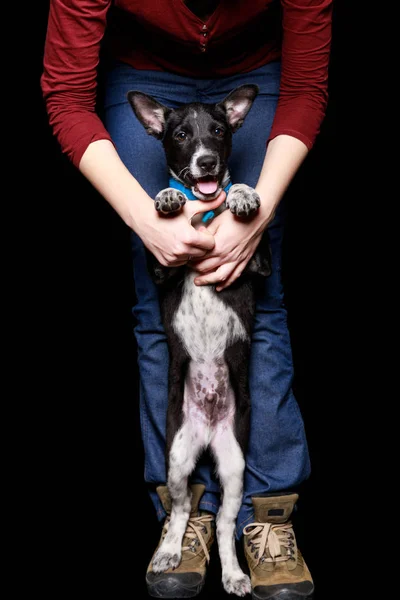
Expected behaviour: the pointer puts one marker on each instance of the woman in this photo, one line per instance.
(179, 52)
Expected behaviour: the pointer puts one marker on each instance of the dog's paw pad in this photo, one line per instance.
(242, 200)
(169, 200)
(237, 584)
(164, 561)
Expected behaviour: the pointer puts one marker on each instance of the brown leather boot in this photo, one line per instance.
(187, 579)
(277, 568)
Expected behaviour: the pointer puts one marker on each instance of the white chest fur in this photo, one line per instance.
(205, 325)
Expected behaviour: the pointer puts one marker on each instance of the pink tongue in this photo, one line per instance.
(207, 187)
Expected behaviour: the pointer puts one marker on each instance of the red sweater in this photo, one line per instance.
(241, 35)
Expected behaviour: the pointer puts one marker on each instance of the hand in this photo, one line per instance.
(173, 239)
(236, 241)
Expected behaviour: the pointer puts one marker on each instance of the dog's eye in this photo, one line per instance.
(181, 136)
(218, 131)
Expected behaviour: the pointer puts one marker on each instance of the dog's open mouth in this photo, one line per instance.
(206, 185)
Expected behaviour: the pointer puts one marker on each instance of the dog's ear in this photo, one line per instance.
(150, 113)
(238, 103)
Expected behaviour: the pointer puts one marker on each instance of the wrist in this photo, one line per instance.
(139, 212)
(267, 208)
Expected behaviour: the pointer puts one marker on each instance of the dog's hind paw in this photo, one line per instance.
(165, 560)
(242, 200)
(238, 584)
(169, 200)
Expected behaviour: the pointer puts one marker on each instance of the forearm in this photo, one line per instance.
(102, 166)
(284, 156)
(171, 241)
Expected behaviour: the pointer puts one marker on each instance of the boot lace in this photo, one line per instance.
(194, 533)
(276, 539)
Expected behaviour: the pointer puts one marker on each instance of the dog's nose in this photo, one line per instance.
(207, 163)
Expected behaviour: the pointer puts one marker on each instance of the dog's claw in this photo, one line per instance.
(242, 200)
(169, 200)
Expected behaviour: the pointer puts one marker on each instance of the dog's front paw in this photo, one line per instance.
(236, 583)
(169, 200)
(242, 200)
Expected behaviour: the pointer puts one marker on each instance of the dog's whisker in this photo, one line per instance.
(182, 171)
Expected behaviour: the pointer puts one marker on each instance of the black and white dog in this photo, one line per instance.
(208, 332)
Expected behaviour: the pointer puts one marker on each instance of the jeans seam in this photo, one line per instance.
(242, 525)
(206, 502)
(161, 513)
(144, 432)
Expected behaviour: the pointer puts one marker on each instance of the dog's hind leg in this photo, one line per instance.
(237, 358)
(230, 466)
(185, 450)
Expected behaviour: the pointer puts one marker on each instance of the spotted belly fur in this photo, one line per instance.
(206, 327)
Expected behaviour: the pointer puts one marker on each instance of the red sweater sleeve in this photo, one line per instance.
(69, 79)
(305, 59)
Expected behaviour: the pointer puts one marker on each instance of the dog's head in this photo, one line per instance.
(197, 137)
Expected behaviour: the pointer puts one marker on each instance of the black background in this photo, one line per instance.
(99, 524)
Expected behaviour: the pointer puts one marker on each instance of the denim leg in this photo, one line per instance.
(277, 459)
(144, 157)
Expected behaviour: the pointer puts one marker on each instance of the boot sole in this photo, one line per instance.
(284, 595)
(169, 587)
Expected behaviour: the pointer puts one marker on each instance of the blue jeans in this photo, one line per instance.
(277, 458)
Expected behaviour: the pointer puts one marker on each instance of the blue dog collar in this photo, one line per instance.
(177, 185)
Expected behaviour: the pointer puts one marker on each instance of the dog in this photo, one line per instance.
(208, 332)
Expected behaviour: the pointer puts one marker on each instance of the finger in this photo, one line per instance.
(193, 252)
(221, 274)
(212, 228)
(182, 252)
(236, 273)
(194, 207)
(200, 239)
(208, 264)
(182, 260)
